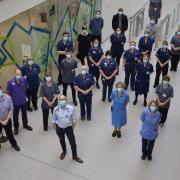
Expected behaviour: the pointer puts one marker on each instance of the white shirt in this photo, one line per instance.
(64, 117)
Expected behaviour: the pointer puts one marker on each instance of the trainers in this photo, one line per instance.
(17, 148)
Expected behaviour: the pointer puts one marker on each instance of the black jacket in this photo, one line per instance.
(115, 22)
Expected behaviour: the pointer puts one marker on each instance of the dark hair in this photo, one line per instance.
(65, 33)
(120, 9)
(153, 101)
(0, 87)
(47, 75)
(118, 28)
(166, 78)
(165, 42)
(84, 27)
(108, 52)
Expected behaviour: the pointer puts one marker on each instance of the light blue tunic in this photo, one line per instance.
(119, 113)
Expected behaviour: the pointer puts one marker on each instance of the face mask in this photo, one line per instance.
(145, 61)
(65, 38)
(48, 79)
(62, 103)
(146, 35)
(120, 12)
(96, 45)
(98, 15)
(1, 93)
(152, 22)
(120, 90)
(178, 33)
(30, 62)
(164, 46)
(108, 57)
(84, 72)
(68, 56)
(132, 47)
(152, 108)
(18, 77)
(118, 32)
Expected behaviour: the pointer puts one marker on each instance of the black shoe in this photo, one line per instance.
(110, 100)
(135, 102)
(97, 85)
(77, 159)
(75, 102)
(16, 131)
(17, 148)
(114, 133)
(149, 157)
(29, 128)
(103, 99)
(89, 118)
(154, 86)
(45, 129)
(36, 108)
(119, 134)
(82, 118)
(145, 103)
(143, 157)
(29, 109)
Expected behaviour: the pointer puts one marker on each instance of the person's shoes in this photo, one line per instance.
(143, 157)
(16, 131)
(82, 118)
(89, 118)
(162, 125)
(154, 86)
(97, 85)
(149, 157)
(145, 103)
(62, 156)
(135, 102)
(29, 128)
(45, 129)
(75, 102)
(29, 109)
(119, 134)
(17, 148)
(110, 100)
(103, 99)
(36, 108)
(114, 133)
(77, 159)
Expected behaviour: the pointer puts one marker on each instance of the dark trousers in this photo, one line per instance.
(117, 57)
(85, 104)
(9, 133)
(70, 135)
(45, 113)
(164, 113)
(16, 115)
(164, 72)
(32, 95)
(130, 74)
(174, 62)
(106, 85)
(147, 146)
(81, 57)
(65, 85)
(98, 37)
(59, 77)
(136, 96)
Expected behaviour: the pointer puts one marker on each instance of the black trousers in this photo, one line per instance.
(65, 85)
(45, 113)
(70, 135)
(130, 74)
(16, 115)
(32, 95)
(81, 57)
(117, 57)
(106, 85)
(147, 146)
(164, 72)
(174, 62)
(164, 113)
(98, 37)
(9, 133)
(59, 77)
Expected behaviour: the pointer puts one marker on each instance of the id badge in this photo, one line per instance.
(164, 95)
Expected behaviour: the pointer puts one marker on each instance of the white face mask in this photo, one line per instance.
(30, 62)
(146, 35)
(120, 12)
(96, 45)
(118, 32)
(98, 15)
(1, 93)
(68, 56)
(48, 79)
(84, 72)
(84, 31)
(164, 46)
(133, 47)
(145, 61)
(65, 38)
(152, 22)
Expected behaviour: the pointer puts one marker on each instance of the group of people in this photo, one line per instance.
(23, 87)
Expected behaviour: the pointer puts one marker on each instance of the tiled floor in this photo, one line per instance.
(104, 157)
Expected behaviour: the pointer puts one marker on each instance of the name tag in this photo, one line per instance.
(164, 95)
(94, 52)
(147, 73)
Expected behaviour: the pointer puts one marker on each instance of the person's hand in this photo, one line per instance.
(73, 125)
(54, 125)
(86, 92)
(161, 65)
(50, 104)
(4, 122)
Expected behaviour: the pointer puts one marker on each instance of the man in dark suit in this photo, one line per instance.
(120, 20)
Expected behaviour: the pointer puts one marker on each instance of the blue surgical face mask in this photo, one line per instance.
(1, 93)
(120, 90)
(62, 103)
(152, 108)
